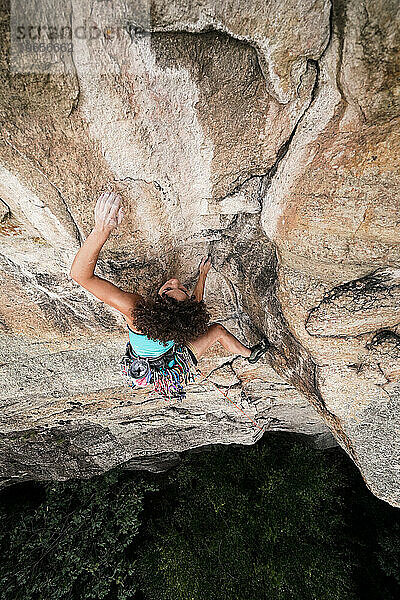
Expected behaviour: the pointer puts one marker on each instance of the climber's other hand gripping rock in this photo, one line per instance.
(107, 213)
(205, 265)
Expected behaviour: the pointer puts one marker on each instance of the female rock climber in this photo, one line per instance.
(171, 325)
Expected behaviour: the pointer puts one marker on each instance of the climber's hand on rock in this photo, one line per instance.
(107, 213)
(205, 265)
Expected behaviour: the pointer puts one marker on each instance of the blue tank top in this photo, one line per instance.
(143, 346)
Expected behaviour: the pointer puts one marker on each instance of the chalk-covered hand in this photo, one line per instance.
(205, 265)
(107, 213)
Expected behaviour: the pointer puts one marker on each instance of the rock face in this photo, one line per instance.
(265, 134)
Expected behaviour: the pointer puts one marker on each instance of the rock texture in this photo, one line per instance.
(265, 134)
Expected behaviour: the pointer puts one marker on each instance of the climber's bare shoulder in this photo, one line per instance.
(112, 295)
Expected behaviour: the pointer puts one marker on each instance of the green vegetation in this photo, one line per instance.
(259, 523)
(276, 520)
(72, 543)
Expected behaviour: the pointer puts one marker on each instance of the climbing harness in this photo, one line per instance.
(165, 372)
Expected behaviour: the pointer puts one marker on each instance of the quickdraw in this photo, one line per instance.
(238, 407)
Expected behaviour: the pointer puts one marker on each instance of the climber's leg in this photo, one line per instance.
(217, 333)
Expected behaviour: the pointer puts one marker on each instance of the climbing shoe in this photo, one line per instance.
(258, 350)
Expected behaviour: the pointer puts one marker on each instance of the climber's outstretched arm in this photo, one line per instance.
(109, 293)
(107, 217)
(85, 260)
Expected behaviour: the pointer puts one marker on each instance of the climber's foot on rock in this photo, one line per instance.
(258, 350)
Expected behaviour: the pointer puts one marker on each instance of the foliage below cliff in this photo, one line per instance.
(278, 519)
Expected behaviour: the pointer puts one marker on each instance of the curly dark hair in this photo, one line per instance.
(165, 318)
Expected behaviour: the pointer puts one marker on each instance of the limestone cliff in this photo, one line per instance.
(263, 133)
